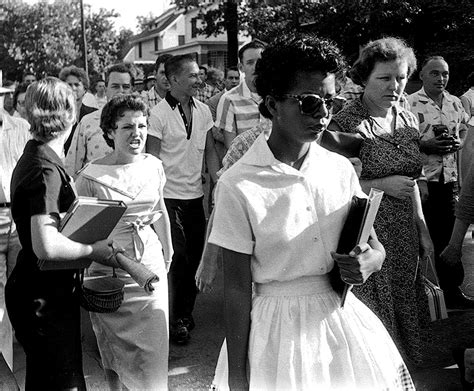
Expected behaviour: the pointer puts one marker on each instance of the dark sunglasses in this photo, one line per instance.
(311, 103)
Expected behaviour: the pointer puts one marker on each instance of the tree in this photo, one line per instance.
(45, 37)
(430, 26)
(143, 22)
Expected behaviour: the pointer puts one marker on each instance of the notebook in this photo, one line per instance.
(87, 221)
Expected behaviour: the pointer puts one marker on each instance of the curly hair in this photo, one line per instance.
(77, 72)
(381, 50)
(283, 59)
(115, 108)
(50, 108)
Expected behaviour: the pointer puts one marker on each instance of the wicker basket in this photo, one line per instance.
(102, 294)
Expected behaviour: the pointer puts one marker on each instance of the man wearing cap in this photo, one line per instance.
(161, 86)
(139, 86)
(14, 135)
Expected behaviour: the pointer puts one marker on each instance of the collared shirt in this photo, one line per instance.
(237, 110)
(151, 97)
(242, 143)
(206, 92)
(87, 144)
(288, 220)
(40, 186)
(100, 101)
(14, 135)
(452, 115)
(182, 157)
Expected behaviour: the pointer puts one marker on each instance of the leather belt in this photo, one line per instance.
(5, 204)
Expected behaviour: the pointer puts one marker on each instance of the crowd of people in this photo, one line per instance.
(287, 140)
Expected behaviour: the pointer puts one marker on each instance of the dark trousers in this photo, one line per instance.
(188, 228)
(439, 215)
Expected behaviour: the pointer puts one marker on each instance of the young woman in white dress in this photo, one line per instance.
(278, 217)
(133, 341)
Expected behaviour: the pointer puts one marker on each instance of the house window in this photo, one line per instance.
(217, 59)
(194, 31)
(180, 40)
(156, 44)
(139, 50)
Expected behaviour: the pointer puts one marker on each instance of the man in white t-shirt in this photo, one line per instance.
(180, 135)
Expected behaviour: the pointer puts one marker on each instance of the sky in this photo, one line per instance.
(128, 9)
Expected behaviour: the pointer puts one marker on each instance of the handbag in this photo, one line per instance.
(103, 294)
(436, 303)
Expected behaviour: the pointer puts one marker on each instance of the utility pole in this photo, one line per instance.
(84, 41)
(231, 21)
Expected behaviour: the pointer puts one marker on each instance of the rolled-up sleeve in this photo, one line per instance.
(231, 227)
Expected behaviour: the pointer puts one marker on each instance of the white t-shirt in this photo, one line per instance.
(288, 220)
(182, 158)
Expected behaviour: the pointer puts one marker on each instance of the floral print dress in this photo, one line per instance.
(396, 293)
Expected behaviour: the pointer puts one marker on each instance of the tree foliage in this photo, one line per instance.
(44, 37)
(431, 26)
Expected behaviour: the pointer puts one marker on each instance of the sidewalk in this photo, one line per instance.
(191, 367)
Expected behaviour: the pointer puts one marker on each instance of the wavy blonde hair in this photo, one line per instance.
(50, 108)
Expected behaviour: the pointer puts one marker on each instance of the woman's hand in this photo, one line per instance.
(451, 255)
(426, 244)
(361, 262)
(207, 270)
(103, 253)
(398, 186)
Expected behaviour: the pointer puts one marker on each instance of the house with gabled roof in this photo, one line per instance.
(176, 32)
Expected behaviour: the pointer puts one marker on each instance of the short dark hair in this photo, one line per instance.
(161, 59)
(122, 67)
(432, 58)
(231, 69)
(255, 44)
(174, 65)
(20, 89)
(289, 55)
(77, 72)
(204, 68)
(381, 50)
(115, 108)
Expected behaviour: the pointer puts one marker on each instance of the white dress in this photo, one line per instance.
(134, 340)
(289, 221)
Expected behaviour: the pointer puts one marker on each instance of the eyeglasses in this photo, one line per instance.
(311, 103)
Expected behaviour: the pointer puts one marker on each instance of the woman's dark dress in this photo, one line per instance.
(396, 293)
(42, 305)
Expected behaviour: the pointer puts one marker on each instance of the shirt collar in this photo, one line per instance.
(446, 95)
(173, 102)
(43, 151)
(262, 156)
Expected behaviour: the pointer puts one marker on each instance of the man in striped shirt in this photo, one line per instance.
(237, 110)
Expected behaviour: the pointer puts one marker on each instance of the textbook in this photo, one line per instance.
(87, 221)
(361, 223)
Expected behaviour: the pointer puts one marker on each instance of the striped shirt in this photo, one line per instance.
(237, 110)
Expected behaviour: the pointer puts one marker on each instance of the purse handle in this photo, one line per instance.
(428, 265)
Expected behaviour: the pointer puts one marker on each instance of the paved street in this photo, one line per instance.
(192, 366)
